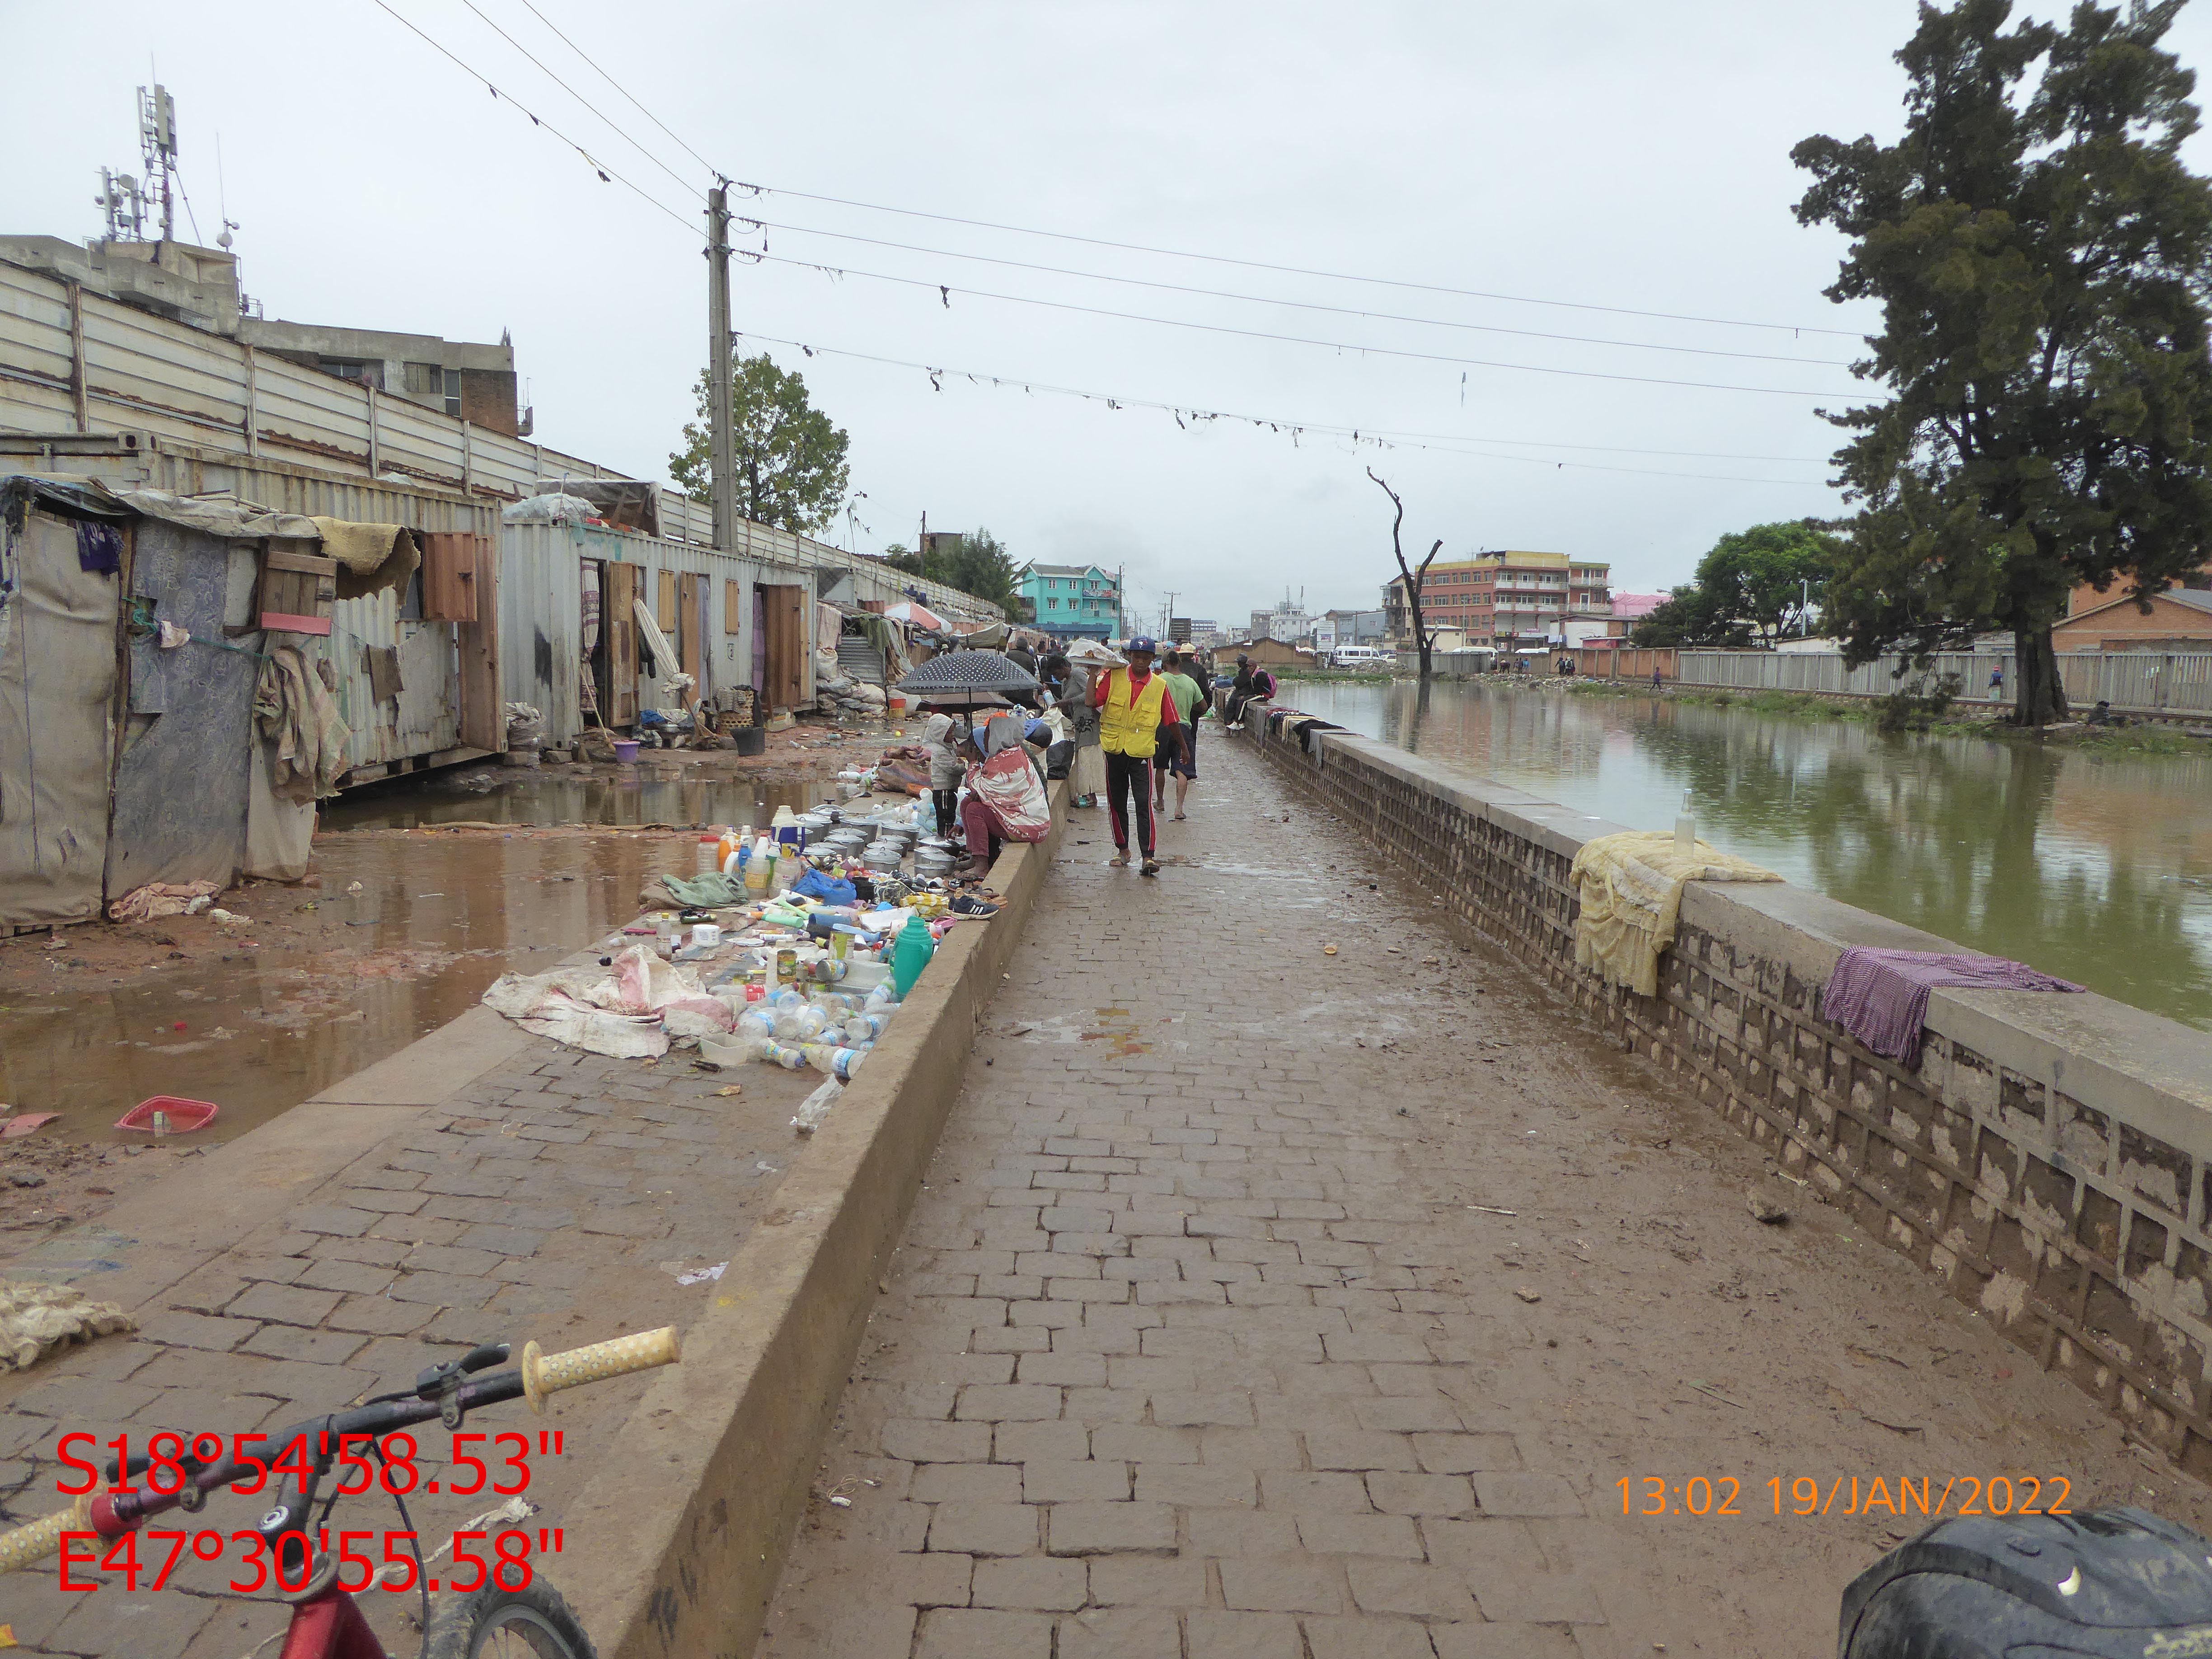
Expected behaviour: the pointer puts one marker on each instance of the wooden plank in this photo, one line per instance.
(449, 576)
(734, 608)
(664, 604)
(617, 616)
(315, 564)
(786, 644)
(484, 715)
(691, 613)
(280, 623)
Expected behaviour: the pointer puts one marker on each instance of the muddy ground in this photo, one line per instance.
(421, 892)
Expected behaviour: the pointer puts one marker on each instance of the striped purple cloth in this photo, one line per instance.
(1881, 997)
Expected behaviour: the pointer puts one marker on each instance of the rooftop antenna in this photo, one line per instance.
(157, 142)
(223, 199)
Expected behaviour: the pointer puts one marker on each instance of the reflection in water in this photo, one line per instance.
(643, 795)
(2095, 866)
(437, 920)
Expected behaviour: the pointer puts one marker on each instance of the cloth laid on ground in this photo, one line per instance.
(627, 1010)
(373, 558)
(157, 899)
(1631, 888)
(1009, 785)
(99, 546)
(830, 889)
(294, 707)
(36, 1319)
(707, 892)
(1881, 997)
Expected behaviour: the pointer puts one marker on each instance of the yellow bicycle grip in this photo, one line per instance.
(30, 1544)
(549, 1373)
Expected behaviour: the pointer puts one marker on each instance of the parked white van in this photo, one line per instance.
(1363, 656)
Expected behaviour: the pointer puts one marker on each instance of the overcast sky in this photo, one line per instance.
(1608, 154)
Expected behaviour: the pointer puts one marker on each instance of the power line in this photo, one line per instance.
(607, 175)
(1300, 305)
(1185, 413)
(1293, 271)
(618, 87)
(945, 291)
(1101, 241)
(681, 180)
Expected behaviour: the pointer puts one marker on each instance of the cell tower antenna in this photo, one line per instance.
(221, 200)
(157, 142)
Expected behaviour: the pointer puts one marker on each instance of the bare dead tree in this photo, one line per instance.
(1413, 576)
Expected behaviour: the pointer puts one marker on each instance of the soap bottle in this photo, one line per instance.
(756, 866)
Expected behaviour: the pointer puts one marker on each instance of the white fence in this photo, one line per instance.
(2165, 683)
(139, 373)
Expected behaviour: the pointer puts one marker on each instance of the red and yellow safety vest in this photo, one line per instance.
(1130, 724)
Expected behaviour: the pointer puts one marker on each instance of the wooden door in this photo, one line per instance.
(690, 627)
(619, 617)
(787, 610)
(484, 713)
(450, 560)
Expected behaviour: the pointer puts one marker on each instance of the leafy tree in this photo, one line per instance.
(1751, 587)
(2042, 258)
(975, 563)
(792, 471)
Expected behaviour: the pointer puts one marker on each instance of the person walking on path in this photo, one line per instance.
(1192, 697)
(1135, 710)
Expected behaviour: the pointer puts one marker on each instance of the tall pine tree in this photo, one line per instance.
(2042, 259)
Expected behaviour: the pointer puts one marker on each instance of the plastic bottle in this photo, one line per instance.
(709, 857)
(786, 826)
(1686, 827)
(756, 867)
(865, 1028)
(756, 1023)
(791, 1058)
(910, 955)
(725, 846)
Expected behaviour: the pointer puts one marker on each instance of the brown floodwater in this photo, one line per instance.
(363, 975)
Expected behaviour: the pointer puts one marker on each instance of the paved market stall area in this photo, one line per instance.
(1199, 1346)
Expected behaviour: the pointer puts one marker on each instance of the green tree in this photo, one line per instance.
(2042, 259)
(975, 563)
(792, 471)
(1751, 587)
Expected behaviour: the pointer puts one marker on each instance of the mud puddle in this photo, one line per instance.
(407, 927)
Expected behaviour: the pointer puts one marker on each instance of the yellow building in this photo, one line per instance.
(1506, 600)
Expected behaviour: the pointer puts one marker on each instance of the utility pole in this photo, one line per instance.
(1167, 617)
(1120, 572)
(720, 415)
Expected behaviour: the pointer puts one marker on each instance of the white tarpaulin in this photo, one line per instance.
(626, 1010)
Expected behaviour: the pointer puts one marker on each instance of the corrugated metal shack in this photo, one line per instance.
(159, 677)
(91, 385)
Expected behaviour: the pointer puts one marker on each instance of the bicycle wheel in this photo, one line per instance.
(491, 1623)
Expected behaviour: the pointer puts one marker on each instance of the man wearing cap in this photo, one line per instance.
(1135, 715)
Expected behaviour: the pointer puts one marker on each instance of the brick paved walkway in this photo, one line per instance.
(1195, 1350)
(1174, 1362)
(539, 1203)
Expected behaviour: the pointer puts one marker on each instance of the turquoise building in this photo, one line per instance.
(1073, 601)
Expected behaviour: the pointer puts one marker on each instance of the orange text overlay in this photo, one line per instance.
(1918, 1496)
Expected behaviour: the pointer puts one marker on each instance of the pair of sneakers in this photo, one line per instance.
(1149, 867)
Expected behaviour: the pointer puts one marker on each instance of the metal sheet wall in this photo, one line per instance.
(146, 374)
(2133, 682)
(425, 719)
(541, 622)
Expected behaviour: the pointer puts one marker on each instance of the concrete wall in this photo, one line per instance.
(2050, 1159)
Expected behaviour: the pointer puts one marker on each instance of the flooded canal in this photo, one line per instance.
(326, 980)
(2095, 864)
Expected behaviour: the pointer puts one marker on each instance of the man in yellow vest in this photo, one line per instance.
(1135, 715)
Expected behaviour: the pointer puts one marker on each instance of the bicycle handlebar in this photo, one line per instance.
(540, 1374)
(544, 1374)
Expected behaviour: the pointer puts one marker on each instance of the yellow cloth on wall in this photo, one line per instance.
(1631, 889)
(373, 558)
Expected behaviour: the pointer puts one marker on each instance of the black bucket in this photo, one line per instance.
(752, 740)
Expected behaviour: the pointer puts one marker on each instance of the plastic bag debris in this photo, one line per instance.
(817, 1107)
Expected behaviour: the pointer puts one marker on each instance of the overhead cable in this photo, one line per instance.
(945, 291)
(1299, 305)
(1185, 414)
